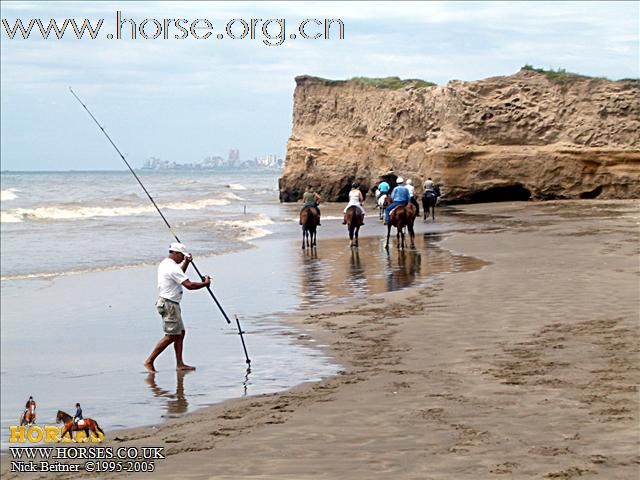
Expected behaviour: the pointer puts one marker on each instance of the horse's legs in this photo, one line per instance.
(304, 233)
(388, 235)
(357, 230)
(411, 235)
(433, 212)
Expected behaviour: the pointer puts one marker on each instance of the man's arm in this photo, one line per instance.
(189, 285)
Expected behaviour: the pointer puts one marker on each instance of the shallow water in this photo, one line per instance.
(83, 337)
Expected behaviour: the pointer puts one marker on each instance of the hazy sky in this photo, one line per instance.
(185, 99)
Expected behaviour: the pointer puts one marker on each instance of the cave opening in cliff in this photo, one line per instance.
(592, 193)
(506, 193)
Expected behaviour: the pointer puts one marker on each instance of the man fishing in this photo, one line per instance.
(171, 279)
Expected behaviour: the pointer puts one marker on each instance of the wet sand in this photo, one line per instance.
(526, 367)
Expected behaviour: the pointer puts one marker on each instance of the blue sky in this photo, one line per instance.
(183, 100)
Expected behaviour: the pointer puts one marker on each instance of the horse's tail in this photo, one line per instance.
(312, 218)
(98, 428)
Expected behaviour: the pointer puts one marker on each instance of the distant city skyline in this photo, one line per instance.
(158, 95)
(233, 160)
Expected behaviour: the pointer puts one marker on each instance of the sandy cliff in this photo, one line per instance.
(516, 137)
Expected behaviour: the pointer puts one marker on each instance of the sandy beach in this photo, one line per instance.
(525, 366)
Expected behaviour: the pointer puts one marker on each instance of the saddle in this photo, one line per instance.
(80, 423)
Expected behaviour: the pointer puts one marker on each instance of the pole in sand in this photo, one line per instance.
(224, 314)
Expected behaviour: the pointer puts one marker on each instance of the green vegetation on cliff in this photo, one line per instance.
(561, 75)
(392, 83)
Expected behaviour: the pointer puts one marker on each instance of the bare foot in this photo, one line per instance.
(184, 366)
(150, 368)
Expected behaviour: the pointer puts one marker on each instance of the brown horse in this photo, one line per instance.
(353, 219)
(309, 219)
(87, 425)
(383, 202)
(402, 216)
(29, 415)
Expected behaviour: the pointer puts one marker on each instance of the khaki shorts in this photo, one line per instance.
(171, 316)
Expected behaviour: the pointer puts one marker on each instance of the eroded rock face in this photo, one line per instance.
(502, 138)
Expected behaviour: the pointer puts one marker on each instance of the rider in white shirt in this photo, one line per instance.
(355, 199)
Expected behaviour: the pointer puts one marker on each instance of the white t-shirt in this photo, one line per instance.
(411, 189)
(170, 278)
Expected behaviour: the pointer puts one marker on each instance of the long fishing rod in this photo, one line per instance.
(224, 314)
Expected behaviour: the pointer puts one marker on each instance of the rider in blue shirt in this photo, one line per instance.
(78, 416)
(400, 196)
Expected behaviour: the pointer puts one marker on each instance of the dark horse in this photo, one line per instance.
(69, 426)
(309, 219)
(401, 217)
(429, 200)
(353, 219)
(383, 202)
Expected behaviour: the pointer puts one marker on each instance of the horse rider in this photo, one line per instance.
(355, 199)
(30, 406)
(383, 189)
(400, 197)
(428, 186)
(78, 416)
(311, 199)
(412, 196)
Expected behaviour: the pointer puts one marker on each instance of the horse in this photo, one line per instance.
(29, 415)
(383, 202)
(87, 425)
(309, 219)
(402, 216)
(429, 200)
(353, 219)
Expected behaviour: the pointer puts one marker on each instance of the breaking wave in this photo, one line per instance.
(9, 194)
(81, 213)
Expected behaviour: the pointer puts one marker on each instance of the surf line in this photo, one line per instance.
(224, 314)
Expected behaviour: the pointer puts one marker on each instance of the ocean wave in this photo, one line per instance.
(236, 186)
(9, 194)
(6, 217)
(81, 213)
(249, 229)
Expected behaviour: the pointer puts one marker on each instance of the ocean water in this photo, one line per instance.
(79, 256)
(68, 222)
(78, 273)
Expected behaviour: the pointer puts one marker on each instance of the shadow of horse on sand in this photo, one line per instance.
(401, 217)
(309, 219)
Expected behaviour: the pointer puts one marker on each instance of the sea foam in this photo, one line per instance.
(9, 194)
(81, 213)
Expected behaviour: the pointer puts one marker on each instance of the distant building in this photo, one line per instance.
(216, 161)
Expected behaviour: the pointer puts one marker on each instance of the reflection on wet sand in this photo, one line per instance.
(175, 403)
(334, 270)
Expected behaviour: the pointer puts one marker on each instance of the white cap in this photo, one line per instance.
(400, 180)
(178, 247)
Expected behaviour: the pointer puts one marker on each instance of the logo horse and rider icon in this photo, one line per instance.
(29, 415)
(75, 423)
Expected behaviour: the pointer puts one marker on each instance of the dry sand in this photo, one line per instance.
(525, 368)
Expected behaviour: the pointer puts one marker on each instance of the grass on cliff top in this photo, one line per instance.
(392, 83)
(561, 75)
